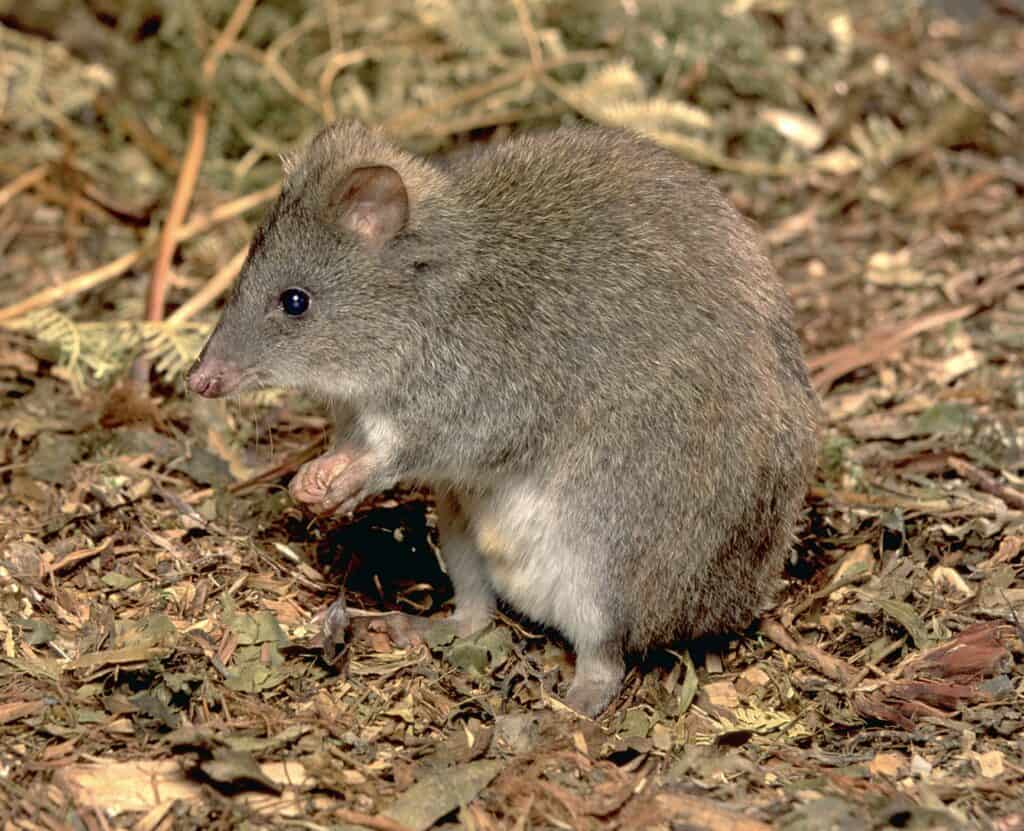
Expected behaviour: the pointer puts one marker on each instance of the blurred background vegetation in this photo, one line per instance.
(101, 101)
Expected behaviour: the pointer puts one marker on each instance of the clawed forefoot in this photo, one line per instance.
(332, 483)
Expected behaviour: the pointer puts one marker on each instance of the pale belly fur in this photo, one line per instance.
(532, 563)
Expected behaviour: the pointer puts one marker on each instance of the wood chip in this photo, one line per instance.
(892, 764)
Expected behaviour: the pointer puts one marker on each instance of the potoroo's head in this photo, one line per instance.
(329, 297)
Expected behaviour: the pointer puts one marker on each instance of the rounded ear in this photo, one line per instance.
(372, 203)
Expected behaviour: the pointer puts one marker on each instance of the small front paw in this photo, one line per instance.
(312, 481)
(334, 482)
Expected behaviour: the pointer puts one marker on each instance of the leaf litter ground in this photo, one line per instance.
(159, 664)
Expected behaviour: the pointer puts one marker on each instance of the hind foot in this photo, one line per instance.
(598, 680)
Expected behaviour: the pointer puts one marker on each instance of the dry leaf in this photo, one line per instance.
(142, 785)
(989, 764)
(661, 737)
(796, 127)
(752, 679)
(892, 764)
(440, 793)
(580, 743)
(855, 566)
(892, 268)
(948, 580)
(840, 161)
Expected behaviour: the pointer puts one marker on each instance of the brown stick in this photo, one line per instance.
(706, 815)
(183, 189)
(405, 122)
(229, 210)
(268, 474)
(211, 290)
(335, 64)
(157, 295)
(274, 67)
(530, 35)
(877, 345)
(818, 659)
(74, 286)
(20, 709)
(115, 268)
(987, 483)
(870, 500)
(378, 823)
(22, 182)
(69, 200)
(74, 558)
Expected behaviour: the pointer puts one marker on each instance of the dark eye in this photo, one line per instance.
(294, 302)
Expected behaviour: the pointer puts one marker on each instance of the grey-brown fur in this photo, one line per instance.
(580, 345)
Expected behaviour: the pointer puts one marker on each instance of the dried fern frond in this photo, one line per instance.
(617, 95)
(878, 140)
(672, 124)
(41, 80)
(98, 351)
(481, 27)
(172, 349)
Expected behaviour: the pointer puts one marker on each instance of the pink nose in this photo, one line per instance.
(212, 378)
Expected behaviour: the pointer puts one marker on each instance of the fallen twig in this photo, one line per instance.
(529, 35)
(701, 813)
(987, 483)
(405, 122)
(211, 290)
(269, 474)
(156, 296)
(74, 286)
(157, 293)
(877, 345)
(22, 182)
(378, 823)
(872, 500)
(115, 268)
(828, 665)
(74, 558)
